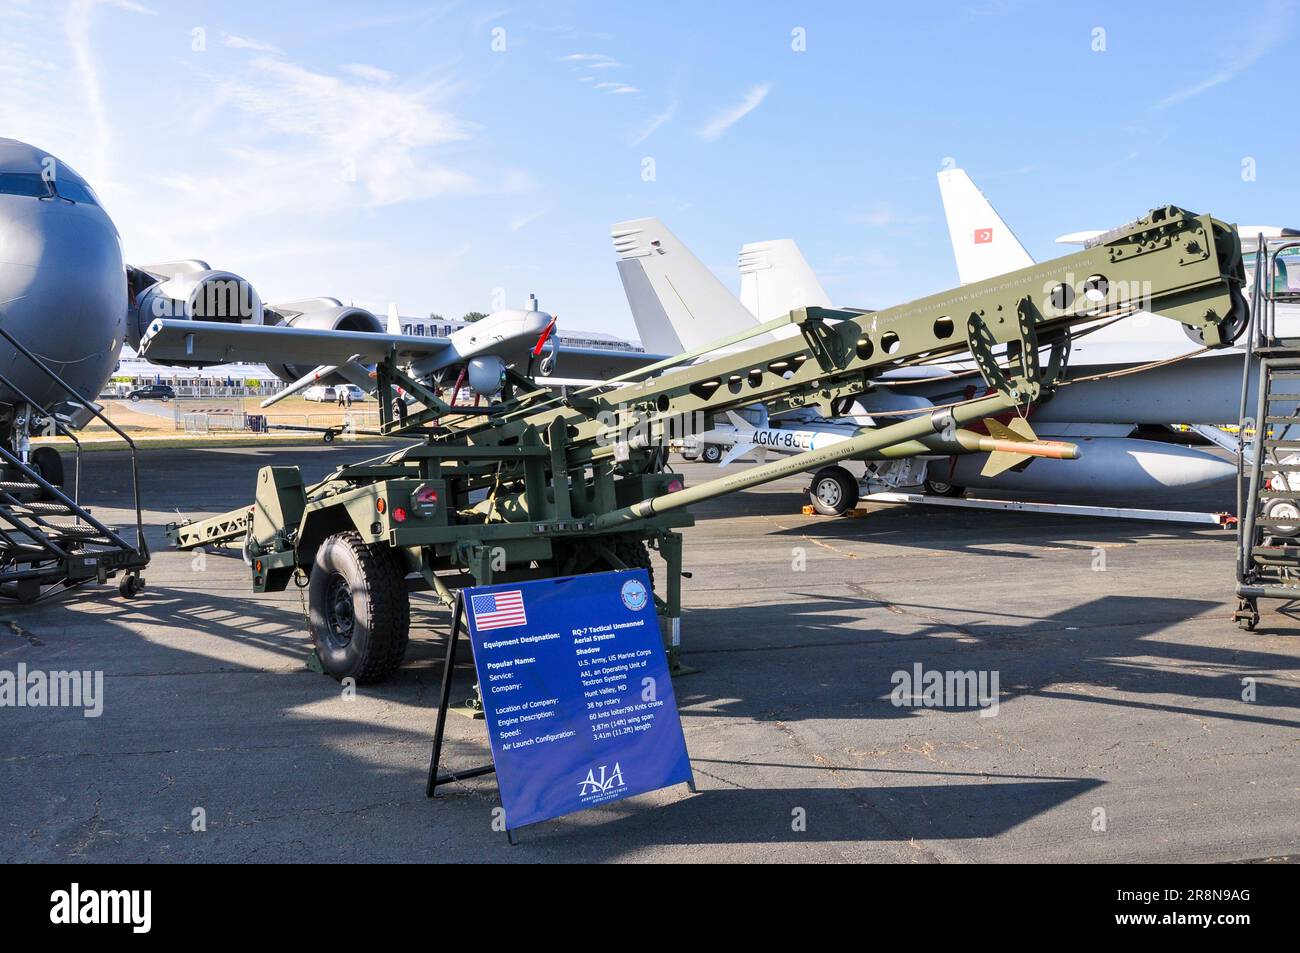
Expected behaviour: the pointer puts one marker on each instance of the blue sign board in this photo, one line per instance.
(575, 686)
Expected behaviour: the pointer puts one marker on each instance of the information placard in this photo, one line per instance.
(575, 686)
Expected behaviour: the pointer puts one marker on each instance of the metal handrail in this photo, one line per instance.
(1252, 329)
(1269, 292)
(141, 545)
(1263, 329)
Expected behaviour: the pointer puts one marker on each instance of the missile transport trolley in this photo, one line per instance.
(542, 484)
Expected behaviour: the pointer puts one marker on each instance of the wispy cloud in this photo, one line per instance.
(527, 218)
(652, 125)
(372, 74)
(1257, 37)
(77, 24)
(378, 141)
(716, 127)
(130, 6)
(237, 42)
(592, 60)
(301, 144)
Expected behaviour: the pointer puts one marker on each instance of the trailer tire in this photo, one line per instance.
(360, 613)
(633, 553)
(834, 491)
(711, 453)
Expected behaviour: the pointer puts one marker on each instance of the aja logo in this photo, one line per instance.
(634, 594)
(602, 782)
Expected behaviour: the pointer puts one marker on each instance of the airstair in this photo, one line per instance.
(49, 542)
(1268, 469)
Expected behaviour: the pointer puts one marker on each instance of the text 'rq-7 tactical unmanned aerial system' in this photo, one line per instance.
(546, 485)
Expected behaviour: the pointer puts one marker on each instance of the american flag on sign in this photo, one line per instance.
(983, 236)
(498, 610)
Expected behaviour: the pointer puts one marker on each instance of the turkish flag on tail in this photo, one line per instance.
(983, 236)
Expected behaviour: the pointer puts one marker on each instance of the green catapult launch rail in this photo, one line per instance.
(542, 484)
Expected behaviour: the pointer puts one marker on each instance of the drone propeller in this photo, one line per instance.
(541, 343)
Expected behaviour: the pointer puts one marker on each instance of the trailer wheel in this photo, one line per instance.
(711, 453)
(834, 491)
(939, 488)
(359, 609)
(633, 553)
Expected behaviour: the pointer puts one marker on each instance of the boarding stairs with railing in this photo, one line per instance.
(49, 542)
(1268, 470)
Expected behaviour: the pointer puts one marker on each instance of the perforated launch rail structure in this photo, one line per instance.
(543, 485)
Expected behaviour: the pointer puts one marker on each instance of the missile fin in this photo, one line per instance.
(735, 453)
(1017, 429)
(1000, 461)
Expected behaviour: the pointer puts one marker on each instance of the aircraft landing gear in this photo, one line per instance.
(49, 464)
(834, 491)
(938, 488)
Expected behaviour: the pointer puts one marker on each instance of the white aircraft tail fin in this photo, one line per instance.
(677, 302)
(775, 279)
(982, 243)
(394, 319)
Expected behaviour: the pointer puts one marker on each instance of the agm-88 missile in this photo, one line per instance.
(1007, 444)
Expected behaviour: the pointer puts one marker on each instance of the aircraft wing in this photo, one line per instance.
(598, 364)
(171, 341)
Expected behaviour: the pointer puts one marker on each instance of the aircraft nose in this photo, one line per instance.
(22, 232)
(59, 266)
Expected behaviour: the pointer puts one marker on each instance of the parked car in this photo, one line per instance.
(162, 392)
(323, 393)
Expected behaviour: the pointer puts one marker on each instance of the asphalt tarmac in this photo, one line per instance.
(1133, 720)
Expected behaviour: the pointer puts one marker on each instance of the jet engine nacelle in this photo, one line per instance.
(190, 291)
(318, 314)
(486, 375)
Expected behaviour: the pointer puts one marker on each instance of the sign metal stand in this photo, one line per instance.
(448, 670)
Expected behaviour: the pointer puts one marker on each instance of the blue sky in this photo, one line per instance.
(387, 151)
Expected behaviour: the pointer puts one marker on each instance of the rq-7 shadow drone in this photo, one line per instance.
(547, 485)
